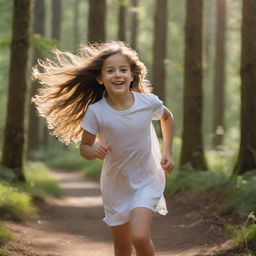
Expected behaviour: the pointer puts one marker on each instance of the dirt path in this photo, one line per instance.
(72, 225)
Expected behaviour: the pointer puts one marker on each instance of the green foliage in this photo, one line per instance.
(195, 181)
(15, 203)
(68, 157)
(59, 155)
(223, 160)
(239, 191)
(16, 198)
(6, 174)
(39, 181)
(43, 44)
(92, 169)
(245, 236)
(244, 200)
(219, 177)
(5, 43)
(5, 234)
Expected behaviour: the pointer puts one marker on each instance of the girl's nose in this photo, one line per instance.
(117, 73)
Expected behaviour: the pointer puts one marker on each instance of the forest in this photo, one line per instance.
(200, 56)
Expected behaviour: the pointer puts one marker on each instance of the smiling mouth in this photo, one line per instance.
(118, 83)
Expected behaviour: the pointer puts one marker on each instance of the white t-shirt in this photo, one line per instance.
(131, 174)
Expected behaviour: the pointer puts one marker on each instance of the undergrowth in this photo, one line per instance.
(237, 192)
(5, 234)
(16, 198)
(245, 235)
(68, 157)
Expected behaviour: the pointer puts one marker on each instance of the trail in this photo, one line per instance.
(73, 226)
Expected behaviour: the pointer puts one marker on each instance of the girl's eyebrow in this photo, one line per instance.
(125, 65)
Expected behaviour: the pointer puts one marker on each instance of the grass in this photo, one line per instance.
(15, 203)
(5, 235)
(16, 199)
(244, 237)
(244, 200)
(39, 183)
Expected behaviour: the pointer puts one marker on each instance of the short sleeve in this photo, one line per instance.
(90, 122)
(158, 108)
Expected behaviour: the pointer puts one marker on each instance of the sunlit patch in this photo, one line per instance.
(77, 185)
(86, 201)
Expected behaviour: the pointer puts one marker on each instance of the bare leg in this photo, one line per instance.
(141, 219)
(122, 240)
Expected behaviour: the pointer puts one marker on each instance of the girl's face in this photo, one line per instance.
(116, 75)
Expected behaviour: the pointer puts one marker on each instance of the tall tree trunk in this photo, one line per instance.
(76, 23)
(122, 21)
(14, 134)
(97, 21)
(192, 152)
(38, 28)
(209, 31)
(159, 51)
(219, 76)
(247, 153)
(56, 19)
(134, 23)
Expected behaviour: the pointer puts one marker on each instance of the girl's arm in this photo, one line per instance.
(88, 150)
(167, 131)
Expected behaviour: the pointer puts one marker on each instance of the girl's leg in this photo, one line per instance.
(140, 223)
(122, 240)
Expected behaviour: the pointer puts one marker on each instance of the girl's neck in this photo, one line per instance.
(120, 102)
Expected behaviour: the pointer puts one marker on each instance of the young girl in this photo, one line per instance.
(104, 90)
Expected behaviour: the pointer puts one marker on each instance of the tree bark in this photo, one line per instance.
(192, 152)
(38, 28)
(159, 49)
(122, 21)
(56, 19)
(134, 23)
(247, 152)
(219, 76)
(97, 21)
(14, 134)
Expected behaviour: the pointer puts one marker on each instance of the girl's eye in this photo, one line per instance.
(109, 71)
(123, 70)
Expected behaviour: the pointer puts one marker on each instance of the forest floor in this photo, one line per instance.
(72, 225)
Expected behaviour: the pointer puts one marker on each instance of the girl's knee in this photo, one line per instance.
(140, 240)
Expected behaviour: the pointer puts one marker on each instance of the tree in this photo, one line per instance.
(56, 35)
(219, 76)
(247, 152)
(122, 20)
(159, 50)
(134, 23)
(38, 28)
(192, 152)
(14, 134)
(97, 21)
(56, 19)
(76, 23)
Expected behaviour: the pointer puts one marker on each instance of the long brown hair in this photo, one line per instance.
(70, 85)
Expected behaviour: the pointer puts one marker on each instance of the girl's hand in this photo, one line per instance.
(101, 151)
(167, 162)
